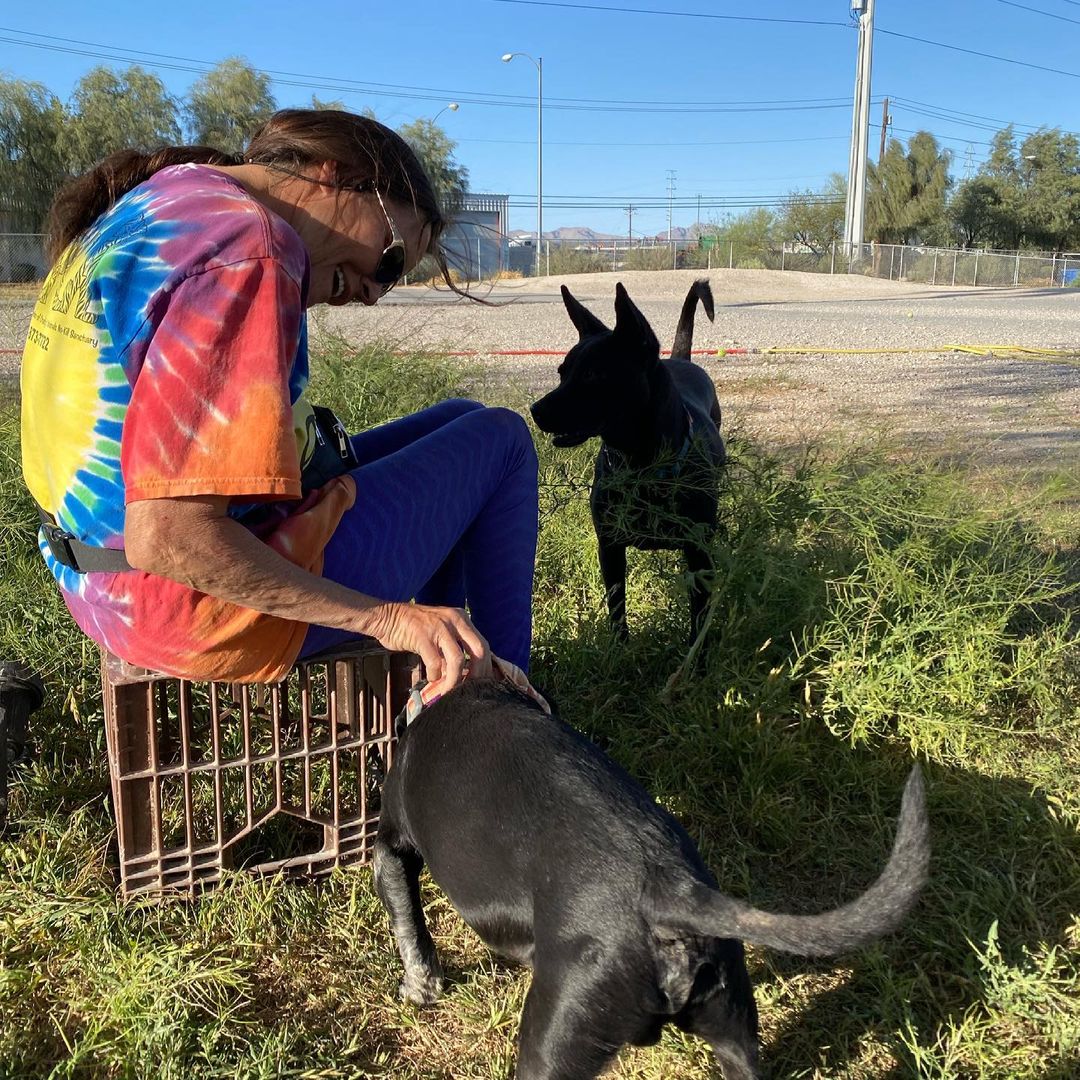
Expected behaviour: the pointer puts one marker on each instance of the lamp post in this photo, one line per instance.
(539, 62)
(453, 107)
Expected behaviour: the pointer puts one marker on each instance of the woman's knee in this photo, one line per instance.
(515, 435)
(459, 406)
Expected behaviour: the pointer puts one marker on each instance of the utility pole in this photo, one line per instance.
(670, 195)
(886, 122)
(855, 210)
(630, 223)
(698, 222)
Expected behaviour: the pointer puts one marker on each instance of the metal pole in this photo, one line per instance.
(1053, 270)
(478, 271)
(674, 254)
(547, 252)
(1016, 272)
(933, 280)
(783, 252)
(832, 257)
(954, 254)
(730, 254)
(855, 218)
(900, 276)
(539, 158)
(975, 278)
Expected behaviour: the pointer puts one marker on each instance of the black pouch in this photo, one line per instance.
(328, 452)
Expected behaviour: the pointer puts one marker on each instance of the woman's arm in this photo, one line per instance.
(192, 540)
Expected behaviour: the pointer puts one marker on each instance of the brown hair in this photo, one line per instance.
(366, 153)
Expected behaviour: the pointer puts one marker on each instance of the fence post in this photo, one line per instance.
(708, 258)
(614, 265)
(730, 253)
(892, 260)
(954, 254)
(547, 258)
(674, 254)
(478, 270)
(1016, 272)
(975, 276)
(1053, 270)
(832, 257)
(900, 275)
(783, 252)
(933, 280)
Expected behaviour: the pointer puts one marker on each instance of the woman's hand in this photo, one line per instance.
(444, 638)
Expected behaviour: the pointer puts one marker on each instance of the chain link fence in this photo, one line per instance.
(924, 265)
(22, 258)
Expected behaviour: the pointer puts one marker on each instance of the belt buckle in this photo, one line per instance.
(59, 541)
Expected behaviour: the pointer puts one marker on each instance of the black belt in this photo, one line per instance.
(82, 558)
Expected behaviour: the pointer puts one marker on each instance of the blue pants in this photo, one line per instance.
(446, 513)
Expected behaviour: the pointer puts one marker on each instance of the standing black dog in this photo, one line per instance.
(655, 483)
(558, 859)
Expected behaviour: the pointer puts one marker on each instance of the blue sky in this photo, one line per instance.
(416, 56)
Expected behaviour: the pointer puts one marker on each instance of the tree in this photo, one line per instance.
(1049, 175)
(111, 111)
(227, 105)
(31, 165)
(1025, 195)
(815, 219)
(906, 192)
(435, 149)
(975, 212)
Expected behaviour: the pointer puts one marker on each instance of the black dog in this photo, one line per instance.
(558, 859)
(655, 483)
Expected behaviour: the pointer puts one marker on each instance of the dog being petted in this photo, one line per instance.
(560, 860)
(656, 477)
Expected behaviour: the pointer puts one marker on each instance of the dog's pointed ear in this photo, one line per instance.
(586, 322)
(632, 327)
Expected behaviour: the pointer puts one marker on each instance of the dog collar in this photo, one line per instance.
(506, 673)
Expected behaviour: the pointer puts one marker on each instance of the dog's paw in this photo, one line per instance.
(422, 988)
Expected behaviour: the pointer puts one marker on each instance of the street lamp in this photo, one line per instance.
(539, 62)
(453, 107)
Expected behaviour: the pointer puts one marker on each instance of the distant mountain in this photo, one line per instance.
(566, 232)
(584, 234)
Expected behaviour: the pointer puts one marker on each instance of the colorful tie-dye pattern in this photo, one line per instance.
(164, 357)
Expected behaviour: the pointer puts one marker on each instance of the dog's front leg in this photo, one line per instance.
(613, 571)
(397, 881)
(699, 563)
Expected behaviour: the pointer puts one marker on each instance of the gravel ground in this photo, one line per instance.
(1020, 411)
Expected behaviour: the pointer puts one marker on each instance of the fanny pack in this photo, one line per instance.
(327, 453)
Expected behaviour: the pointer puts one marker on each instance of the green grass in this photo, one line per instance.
(869, 610)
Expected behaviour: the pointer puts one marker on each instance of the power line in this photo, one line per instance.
(680, 14)
(1037, 11)
(725, 142)
(338, 85)
(975, 52)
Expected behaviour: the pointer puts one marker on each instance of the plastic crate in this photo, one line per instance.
(282, 778)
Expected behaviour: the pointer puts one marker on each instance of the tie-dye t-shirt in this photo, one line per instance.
(164, 357)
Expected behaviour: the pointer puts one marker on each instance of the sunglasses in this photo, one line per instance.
(391, 264)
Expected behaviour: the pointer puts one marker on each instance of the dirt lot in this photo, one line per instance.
(1024, 412)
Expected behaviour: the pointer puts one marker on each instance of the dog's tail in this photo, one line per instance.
(699, 909)
(684, 334)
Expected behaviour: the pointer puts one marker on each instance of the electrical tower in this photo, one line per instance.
(630, 223)
(670, 196)
(855, 210)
